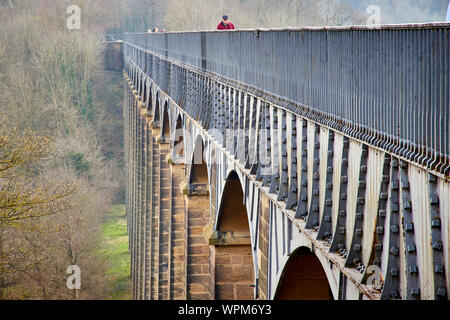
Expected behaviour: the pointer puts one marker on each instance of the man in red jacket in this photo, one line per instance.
(225, 24)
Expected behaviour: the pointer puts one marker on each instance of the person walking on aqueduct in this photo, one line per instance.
(225, 24)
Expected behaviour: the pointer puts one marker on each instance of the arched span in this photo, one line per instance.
(165, 130)
(141, 85)
(156, 116)
(231, 217)
(144, 95)
(303, 278)
(178, 141)
(150, 100)
(138, 82)
(199, 171)
(234, 269)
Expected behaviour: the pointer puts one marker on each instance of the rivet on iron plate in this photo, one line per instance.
(441, 292)
(394, 228)
(409, 227)
(412, 269)
(436, 223)
(415, 291)
(437, 245)
(439, 268)
(434, 200)
(394, 251)
(407, 205)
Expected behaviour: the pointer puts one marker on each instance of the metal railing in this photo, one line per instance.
(388, 86)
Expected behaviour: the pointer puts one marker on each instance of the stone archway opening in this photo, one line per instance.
(140, 86)
(166, 124)
(233, 270)
(303, 278)
(198, 214)
(156, 112)
(150, 102)
(144, 95)
(178, 143)
(199, 171)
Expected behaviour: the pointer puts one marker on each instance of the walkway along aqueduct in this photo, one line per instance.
(354, 201)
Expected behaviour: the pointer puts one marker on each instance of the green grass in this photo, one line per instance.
(115, 249)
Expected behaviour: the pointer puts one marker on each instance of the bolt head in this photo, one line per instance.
(415, 291)
(395, 272)
(394, 295)
(395, 228)
(439, 268)
(394, 251)
(441, 292)
(437, 245)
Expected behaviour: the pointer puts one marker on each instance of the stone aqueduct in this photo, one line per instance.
(355, 124)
